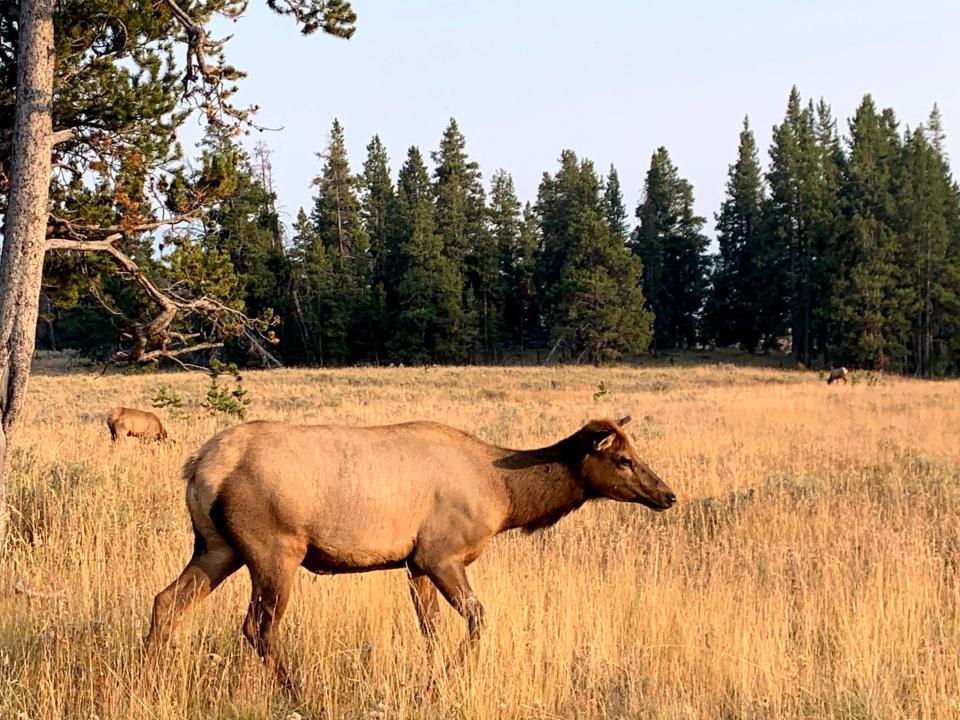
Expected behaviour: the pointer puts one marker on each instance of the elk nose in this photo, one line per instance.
(671, 499)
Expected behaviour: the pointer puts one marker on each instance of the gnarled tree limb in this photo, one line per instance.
(77, 228)
(158, 328)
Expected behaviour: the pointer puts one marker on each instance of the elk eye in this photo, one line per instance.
(625, 463)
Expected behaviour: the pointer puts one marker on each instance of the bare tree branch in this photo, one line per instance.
(158, 328)
(258, 347)
(95, 291)
(62, 136)
(155, 355)
(197, 47)
(77, 228)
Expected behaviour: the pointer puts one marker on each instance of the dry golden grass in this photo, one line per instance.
(810, 569)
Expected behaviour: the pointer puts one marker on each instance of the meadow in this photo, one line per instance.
(809, 570)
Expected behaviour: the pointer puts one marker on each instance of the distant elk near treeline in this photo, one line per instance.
(420, 496)
(838, 374)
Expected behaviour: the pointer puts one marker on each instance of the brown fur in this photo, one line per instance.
(138, 423)
(420, 496)
(836, 374)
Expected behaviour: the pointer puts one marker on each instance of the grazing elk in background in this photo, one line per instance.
(419, 495)
(139, 423)
(836, 374)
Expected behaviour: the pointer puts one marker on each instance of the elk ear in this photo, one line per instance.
(604, 442)
(624, 420)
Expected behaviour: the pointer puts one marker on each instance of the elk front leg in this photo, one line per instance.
(451, 581)
(425, 602)
(271, 578)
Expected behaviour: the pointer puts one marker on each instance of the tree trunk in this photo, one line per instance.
(304, 331)
(21, 264)
(46, 336)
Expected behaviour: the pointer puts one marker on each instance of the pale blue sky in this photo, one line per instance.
(610, 79)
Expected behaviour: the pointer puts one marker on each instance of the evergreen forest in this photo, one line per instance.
(844, 249)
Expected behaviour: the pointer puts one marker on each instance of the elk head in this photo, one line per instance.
(613, 469)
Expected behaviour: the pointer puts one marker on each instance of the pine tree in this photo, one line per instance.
(614, 210)
(604, 313)
(595, 309)
(302, 247)
(461, 222)
(505, 227)
(517, 262)
(321, 311)
(336, 210)
(558, 202)
(671, 245)
(523, 282)
(927, 207)
(935, 134)
(244, 224)
(561, 200)
(734, 305)
(943, 297)
(429, 294)
(827, 228)
(791, 216)
(869, 300)
(339, 224)
(378, 209)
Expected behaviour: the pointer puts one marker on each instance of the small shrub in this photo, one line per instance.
(220, 398)
(166, 397)
(601, 390)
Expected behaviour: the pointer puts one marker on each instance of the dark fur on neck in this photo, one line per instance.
(546, 484)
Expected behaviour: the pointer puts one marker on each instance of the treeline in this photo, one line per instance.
(846, 247)
(432, 269)
(849, 245)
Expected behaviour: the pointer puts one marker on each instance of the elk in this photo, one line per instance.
(836, 374)
(124, 421)
(420, 495)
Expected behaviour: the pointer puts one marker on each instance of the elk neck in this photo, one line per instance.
(543, 485)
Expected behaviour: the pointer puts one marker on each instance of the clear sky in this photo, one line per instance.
(610, 79)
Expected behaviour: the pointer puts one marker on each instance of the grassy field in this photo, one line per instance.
(810, 569)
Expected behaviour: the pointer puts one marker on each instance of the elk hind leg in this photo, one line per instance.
(208, 567)
(425, 602)
(427, 605)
